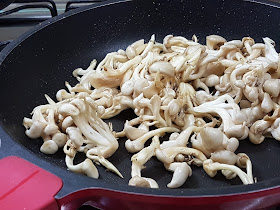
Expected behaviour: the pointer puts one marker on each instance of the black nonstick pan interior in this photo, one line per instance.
(42, 60)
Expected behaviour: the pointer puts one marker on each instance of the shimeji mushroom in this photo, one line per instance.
(143, 182)
(168, 155)
(212, 95)
(119, 104)
(232, 118)
(253, 114)
(163, 67)
(258, 130)
(213, 42)
(43, 125)
(49, 147)
(85, 167)
(272, 87)
(224, 156)
(138, 144)
(107, 164)
(243, 161)
(85, 116)
(216, 145)
(181, 139)
(138, 161)
(214, 139)
(84, 112)
(134, 133)
(270, 52)
(181, 172)
(35, 127)
(211, 169)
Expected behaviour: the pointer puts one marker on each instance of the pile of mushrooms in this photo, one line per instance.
(208, 97)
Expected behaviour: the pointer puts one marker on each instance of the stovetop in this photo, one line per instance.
(30, 13)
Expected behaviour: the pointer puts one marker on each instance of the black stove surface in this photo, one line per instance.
(29, 13)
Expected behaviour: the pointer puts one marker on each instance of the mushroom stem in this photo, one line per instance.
(181, 140)
(243, 161)
(139, 159)
(143, 182)
(181, 172)
(167, 155)
(138, 144)
(86, 167)
(107, 164)
(211, 169)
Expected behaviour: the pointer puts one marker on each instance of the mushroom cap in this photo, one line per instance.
(163, 67)
(89, 169)
(60, 139)
(75, 135)
(224, 156)
(68, 109)
(272, 87)
(181, 173)
(212, 80)
(242, 159)
(51, 129)
(143, 182)
(49, 147)
(212, 138)
(212, 41)
(208, 168)
(36, 129)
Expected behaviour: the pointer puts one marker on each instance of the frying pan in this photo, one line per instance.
(41, 60)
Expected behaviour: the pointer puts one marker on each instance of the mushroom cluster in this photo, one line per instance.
(208, 97)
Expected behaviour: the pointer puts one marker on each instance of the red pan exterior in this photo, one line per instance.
(107, 199)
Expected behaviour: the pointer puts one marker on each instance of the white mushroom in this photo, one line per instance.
(75, 135)
(224, 156)
(212, 138)
(243, 161)
(181, 139)
(85, 167)
(49, 147)
(267, 103)
(270, 52)
(212, 80)
(211, 169)
(35, 129)
(181, 172)
(219, 107)
(214, 94)
(143, 182)
(257, 131)
(140, 158)
(167, 155)
(138, 161)
(272, 87)
(60, 139)
(163, 67)
(213, 41)
(138, 144)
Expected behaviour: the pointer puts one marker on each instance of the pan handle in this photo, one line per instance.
(26, 186)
